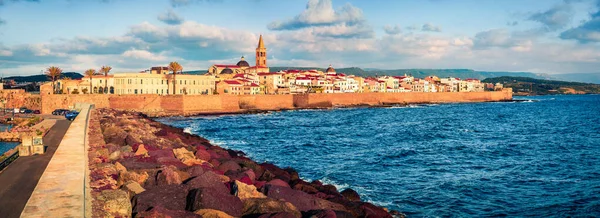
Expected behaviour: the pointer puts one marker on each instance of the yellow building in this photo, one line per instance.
(162, 84)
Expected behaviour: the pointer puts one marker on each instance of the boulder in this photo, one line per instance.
(229, 165)
(208, 180)
(278, 172)
(137, 163)
(328, 189)
(202, 154)
(133, 188)
(114, 155)
(186, 157)
(132, 140)
(350, 194)
(161, 212)
(196, 170)
(115, 202)
(371, 210)
(256, 206)
(120, 168)
(327, 214)
(210, 213)
(305, 187)
(302, 201)
(245, 191)
(210, 198)
(171, 197)
(126, 149)
(141, 151)
(276, 215)
(114, 135)
(168, 176)
(278, 182)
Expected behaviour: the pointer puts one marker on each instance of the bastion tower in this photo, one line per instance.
(261, 54)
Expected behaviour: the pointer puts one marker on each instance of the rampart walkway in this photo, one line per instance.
(60, 191)
(19, 179)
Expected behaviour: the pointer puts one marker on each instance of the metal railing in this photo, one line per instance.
(9, 160)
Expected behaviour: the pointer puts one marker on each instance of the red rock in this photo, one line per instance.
(209, 198)
(278, 182)
(259, 184)
(168, 176)
(161, 212)
(196, 170)
(229, 165)
(278, 172)
(203, 155)
(208, 180)
(305, 187)
(372, 211)
(350, 194)
(302, 201)
(132, 140)
(171, 197)
(257, 206)
(114, 135)
(327, 214)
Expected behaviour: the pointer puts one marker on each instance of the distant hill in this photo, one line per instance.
(420, 73)
(578, 77)
(41, 77)
(532, 86)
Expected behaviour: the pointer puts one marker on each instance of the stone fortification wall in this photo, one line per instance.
(17, 98)
(155, 105)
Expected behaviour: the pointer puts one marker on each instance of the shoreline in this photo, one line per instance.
(258, 111)
(140, 163)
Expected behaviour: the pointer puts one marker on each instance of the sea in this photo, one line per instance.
(539, 156)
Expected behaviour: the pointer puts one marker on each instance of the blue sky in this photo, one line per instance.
(541, 36)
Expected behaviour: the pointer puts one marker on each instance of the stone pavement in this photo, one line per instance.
(60, 191)
(19, 179)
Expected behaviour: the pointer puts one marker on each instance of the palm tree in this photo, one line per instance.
(53, 73)
(90, 73)
(104, 70)
(175, 68)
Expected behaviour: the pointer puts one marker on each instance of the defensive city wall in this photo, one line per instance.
(168, 105)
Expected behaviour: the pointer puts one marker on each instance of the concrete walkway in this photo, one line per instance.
(60, 191)
(19, 179)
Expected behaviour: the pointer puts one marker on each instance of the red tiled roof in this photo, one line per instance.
(232, 82)
(254, 85)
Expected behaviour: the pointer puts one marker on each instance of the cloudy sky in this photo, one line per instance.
(541, 36)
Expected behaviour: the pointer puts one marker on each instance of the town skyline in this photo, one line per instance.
(549, 37)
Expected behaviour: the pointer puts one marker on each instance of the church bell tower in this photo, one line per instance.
(261, 54)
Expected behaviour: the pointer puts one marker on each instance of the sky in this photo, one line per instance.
(540, 36)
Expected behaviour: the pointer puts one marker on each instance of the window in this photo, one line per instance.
(136, 92)
(141, 81)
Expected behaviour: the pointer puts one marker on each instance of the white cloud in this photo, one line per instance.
(143, 55)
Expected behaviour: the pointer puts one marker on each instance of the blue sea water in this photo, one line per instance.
(533, 158)
(5, 146)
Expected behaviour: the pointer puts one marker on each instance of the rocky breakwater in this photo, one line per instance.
(142, 168)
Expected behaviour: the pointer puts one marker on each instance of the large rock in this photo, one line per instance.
(302, 201)
(171, 197)
(278, 172)
(202, 154)
(161, 212)
(210, 198)
(168, 176)
(244, 191)
(186, 157)
(133, 188)
(132, 140)
(115, 135)
(350, 194)
(278, 182)
(257, 206)
(208, 180)
(141, 151)
(327, 214)
(210, 213)
(229, 165)
(115, 202)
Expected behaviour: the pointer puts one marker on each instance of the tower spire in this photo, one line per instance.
(261, 44)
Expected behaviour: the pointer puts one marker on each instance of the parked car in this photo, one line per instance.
(28, 111)
(60, 112)
(16, 110)
(71, 115)
(22, 110)
(37, 112)
(8, 110)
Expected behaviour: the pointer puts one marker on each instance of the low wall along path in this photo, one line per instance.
(157, 105)
(60, 191)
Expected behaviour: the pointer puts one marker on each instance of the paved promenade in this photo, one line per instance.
(60, 191)
(19, 179)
